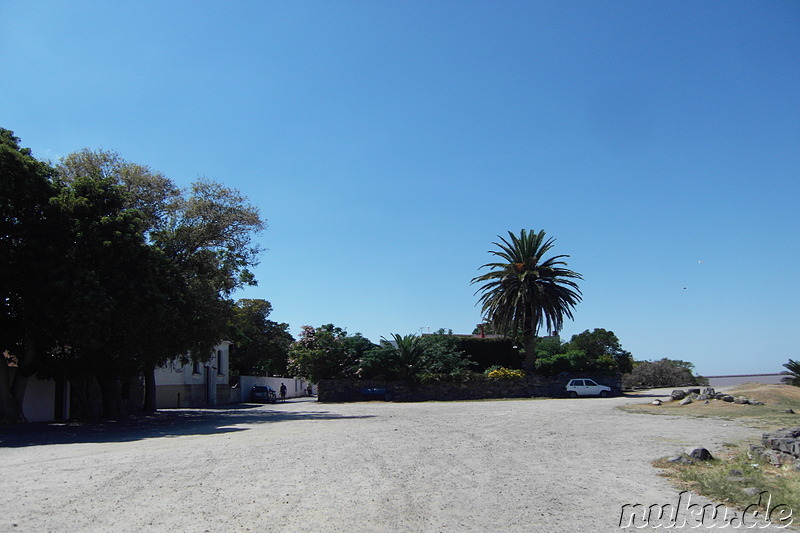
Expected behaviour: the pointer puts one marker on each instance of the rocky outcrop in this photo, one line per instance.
(780, 447)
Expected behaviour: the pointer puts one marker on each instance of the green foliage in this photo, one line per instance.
(550, 346)
(604, 346)
(489, 352)
(523, 291)
(260, 346)
(327, 352)
(574, 361)
(30, 251)
(793, 373)
(662, 373)
(114, 269)
(598, 350)
(408, 357)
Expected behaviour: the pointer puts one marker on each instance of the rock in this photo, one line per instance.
(703, 397)
(656, 402)
(686, 401)
(751, 491)
(709, 391)
(790, 411)
(678, 394)
(735, 472)
(700, 454)
(719, 395)
(681, 460)
(741, 400)
(707, 401)
(694, 391)
(754, 402)
(727, 398)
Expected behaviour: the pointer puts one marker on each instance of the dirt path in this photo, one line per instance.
(522, 465)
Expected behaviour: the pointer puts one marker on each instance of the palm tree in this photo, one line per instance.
(792, 373)
(409, 351)
(525, 291)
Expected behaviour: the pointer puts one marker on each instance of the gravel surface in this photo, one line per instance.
(514, 465)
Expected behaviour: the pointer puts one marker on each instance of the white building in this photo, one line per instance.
(196, 383)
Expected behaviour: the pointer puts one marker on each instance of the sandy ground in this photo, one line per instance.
(515, 465)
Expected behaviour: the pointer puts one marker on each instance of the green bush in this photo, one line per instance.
(505, 373)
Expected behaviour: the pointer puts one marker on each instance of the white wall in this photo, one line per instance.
(38, 404)
(295, 388)
(175, 373)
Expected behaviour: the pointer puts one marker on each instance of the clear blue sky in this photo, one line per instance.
(389, 143)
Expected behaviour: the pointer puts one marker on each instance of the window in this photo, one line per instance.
(195, 367)
(220, 365)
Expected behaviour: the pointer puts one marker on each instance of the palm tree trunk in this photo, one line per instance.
(530, 352)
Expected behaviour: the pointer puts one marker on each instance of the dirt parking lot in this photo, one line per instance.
(515, 465)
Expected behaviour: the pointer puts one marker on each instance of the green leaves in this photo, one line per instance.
(793, 373)
(526, 291)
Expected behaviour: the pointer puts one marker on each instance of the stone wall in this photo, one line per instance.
(782, 446)
(352, 390)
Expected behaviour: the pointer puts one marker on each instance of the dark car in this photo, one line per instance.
(263, 394)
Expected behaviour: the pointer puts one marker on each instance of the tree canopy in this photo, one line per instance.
(110, 269)
(524, 291)
(260, 346)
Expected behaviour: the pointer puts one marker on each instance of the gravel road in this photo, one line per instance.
(515, 465)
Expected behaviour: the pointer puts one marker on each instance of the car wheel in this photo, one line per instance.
(573, 394)
(603, 393)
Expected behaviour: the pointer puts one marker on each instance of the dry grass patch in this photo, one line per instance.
(738, 479)
(776, 398)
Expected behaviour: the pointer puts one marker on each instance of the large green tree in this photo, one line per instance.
(260, 346)
(109, 269)
(327, 352)
(603, 346)
(524, 290)
(202, 249)
(30, 251)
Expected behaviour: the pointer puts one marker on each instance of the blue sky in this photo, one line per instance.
(388, 144)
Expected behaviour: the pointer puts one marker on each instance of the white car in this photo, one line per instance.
(586, 387)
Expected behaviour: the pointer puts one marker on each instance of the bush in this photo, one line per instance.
(505, 373)
(464, 376)
(574, 361)
(662, 373)
(409, 356)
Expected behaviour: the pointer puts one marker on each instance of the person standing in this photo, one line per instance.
(283, 392)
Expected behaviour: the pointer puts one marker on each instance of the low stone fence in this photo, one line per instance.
(478, 388)
(781, 447)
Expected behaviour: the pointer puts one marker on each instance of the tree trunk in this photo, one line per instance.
(149, 390)
(10, 410)
(530, 353)
(110, 393)
(21, 377)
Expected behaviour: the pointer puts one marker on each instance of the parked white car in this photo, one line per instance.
(586, 387)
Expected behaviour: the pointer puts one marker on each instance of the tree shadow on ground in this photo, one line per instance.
(165, 423)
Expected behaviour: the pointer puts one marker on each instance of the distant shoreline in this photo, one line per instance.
(738, 379)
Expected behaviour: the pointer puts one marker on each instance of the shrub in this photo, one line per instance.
(505, 373)
(662, 373)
